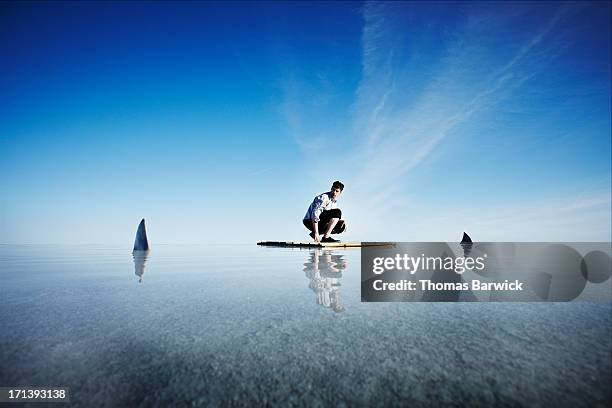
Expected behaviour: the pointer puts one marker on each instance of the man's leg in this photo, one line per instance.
(332, 217)
(340, 227)
(330, 226)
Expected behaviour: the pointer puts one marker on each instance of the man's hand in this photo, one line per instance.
(317, 237)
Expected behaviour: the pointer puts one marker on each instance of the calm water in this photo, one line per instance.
(243, 325)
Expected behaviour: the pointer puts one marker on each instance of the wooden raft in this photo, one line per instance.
(321, 244)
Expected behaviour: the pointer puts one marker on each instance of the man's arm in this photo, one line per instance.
(319, 205)
(315, 229)
(314, 212)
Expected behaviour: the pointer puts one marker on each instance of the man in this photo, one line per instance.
(323, 215)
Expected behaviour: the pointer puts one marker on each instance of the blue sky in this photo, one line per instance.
(219, 122)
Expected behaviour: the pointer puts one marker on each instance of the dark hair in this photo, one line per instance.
(338, 184)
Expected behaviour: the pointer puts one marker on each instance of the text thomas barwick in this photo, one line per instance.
(425, 284)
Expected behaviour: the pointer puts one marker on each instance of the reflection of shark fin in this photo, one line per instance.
(140, 260)
(465, 240)
(141, 243)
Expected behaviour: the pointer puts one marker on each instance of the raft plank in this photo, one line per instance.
(321, 244)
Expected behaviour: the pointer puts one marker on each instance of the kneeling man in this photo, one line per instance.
(323, 215)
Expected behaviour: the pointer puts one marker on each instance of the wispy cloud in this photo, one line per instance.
(580, 218)
(403, 116)
(292, 110)
(397, 137)
(305, 108)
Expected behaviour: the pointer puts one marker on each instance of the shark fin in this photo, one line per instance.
(141, 243)
(465, 240)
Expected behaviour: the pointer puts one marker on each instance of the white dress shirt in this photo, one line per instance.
(321, 203)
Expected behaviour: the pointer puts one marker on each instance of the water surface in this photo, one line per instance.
(221, 325)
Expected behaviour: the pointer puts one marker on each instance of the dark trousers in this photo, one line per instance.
(324, 220)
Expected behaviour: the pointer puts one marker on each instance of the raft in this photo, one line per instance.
(298, 244)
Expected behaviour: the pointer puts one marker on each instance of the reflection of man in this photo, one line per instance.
(324, 271)
(323, 215)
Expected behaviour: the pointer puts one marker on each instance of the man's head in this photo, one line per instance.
(336, 189)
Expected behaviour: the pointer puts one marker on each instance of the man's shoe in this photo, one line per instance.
(329, 239)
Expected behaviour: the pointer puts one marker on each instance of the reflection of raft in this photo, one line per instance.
(322, 244)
